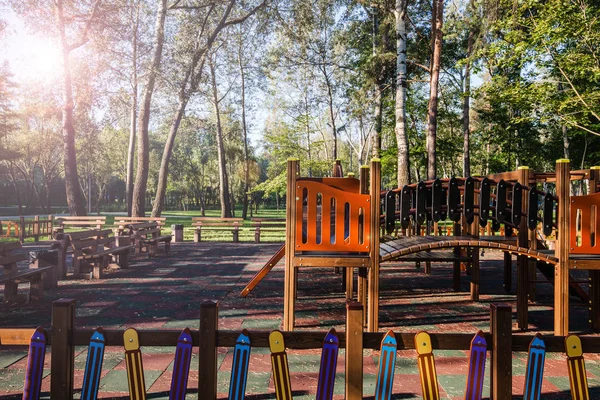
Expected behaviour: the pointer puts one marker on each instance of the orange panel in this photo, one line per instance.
(590, 225)
(341, 197)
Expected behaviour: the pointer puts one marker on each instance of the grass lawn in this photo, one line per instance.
(185, 218)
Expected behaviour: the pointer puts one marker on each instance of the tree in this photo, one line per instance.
(400, 109)
(223, 176)
(129, 181)
(141, 178)
(437, 17)
(64, 24)
(203, 40)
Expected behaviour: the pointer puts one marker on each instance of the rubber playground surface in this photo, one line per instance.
(166, 292)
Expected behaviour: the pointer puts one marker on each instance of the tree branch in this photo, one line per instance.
(576, 125)
(83, 38)
(245, 17)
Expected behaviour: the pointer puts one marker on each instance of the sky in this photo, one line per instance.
(30, 57)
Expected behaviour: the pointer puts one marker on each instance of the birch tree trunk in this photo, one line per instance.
(400, 128)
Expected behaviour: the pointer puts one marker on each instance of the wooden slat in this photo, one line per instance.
(9, 246)
(12, 258)
(324, 262)
(22, 274)
(15, 336)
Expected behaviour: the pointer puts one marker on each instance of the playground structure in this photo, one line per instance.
(336, 222)
(63, 335)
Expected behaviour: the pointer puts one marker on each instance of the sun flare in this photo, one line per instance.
(35, 58)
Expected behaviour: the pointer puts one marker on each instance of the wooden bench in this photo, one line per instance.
(216, 224)
(90, 221)
(268, 226)
(12, 276)
(94, 248)
(146, 235)
(121, 223)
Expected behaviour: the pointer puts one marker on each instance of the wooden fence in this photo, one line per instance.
(64, 336)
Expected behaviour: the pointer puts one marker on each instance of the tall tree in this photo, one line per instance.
(209, 29)
(75, 198)
(401, 84)
(241, 64)
(223, 176)
(129, 182)
(437, 16)
(467, 88)
(143, 159)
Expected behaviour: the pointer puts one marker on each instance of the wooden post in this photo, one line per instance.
(63, 354)
(475, 253)
(594, 275)
(48, 225)
(561, 271)
(354, 351)
(456, 231)
(36, 228)
(363, 271)
(501, 354)
(289, 291)
(207, 358)
(507, 272)
(522, 261)
(373, 293)
(21, 229)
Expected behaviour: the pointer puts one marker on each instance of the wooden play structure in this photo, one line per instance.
(63, 336)
(350, 223)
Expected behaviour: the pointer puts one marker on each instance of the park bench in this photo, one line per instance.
(11, 276)
(90, 221)
(268, 227)
(95, 248)
(146, 236)
(216, 224)
(121, 223)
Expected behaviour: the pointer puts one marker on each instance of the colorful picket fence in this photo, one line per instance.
(208, 338)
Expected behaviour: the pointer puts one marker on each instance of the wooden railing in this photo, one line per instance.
(26, 227)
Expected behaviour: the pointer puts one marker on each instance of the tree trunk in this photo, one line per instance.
(13, 180)
(245, 134)
(331, 112)
(400, 110)
(163, 173)
(143, 159)
(132, 126)
(437, 22)
(565, 138)
(378, 87)
(467, 108)
(307, 125)
(223, 179)
(75, 198)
